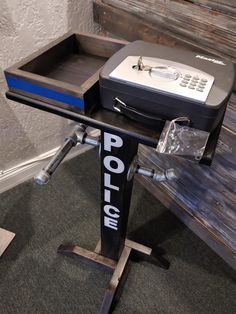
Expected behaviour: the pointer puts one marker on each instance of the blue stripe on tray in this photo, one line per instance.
(45, 92)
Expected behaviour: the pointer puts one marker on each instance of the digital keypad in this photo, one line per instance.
(193, 82)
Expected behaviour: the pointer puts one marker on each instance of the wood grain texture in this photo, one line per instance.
(227, 6)
(69, 65)
(207, 195)
(192, 24)
(99, 46)
(75, 68)
(130, 27)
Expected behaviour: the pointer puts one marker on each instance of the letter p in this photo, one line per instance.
(112, 140)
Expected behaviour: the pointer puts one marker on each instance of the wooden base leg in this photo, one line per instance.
(94, 258)
(117, 268)
(114, 282)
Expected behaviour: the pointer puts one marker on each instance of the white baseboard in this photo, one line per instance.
(27, 170)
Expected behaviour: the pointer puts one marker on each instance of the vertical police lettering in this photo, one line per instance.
(115, 166)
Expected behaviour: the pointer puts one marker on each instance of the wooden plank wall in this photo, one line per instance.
(227, 6)
(205, 24)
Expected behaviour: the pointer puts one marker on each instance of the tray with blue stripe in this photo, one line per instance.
(65, 72)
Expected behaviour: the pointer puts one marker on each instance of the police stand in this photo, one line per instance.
(118, 145)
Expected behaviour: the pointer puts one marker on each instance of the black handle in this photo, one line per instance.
(137, 115)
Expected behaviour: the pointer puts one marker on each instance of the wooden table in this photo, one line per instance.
(203, 197)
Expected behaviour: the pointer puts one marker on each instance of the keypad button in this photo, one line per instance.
(188, 76)
(191, 87)
(184, 81)
(182, 84)
(199, 89)
(196, 78)
(204, 80)
(193, 84)
(202, 84)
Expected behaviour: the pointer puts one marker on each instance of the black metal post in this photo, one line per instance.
(117, 153)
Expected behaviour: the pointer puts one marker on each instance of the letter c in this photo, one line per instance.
(107, 210)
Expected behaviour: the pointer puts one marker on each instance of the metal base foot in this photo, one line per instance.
(117, 268)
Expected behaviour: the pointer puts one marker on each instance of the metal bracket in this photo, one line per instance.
(79, 135)
(155, 175)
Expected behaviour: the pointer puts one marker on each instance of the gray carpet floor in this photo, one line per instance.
(35, 279)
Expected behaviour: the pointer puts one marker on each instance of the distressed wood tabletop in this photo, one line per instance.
(203, 197)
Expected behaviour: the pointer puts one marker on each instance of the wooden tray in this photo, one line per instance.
(65, 72)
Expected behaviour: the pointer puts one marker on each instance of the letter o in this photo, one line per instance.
(120, 167)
